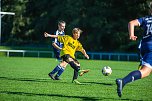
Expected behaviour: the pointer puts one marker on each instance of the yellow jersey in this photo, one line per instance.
(70, 46)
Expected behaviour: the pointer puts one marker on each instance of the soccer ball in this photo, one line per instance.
(106, 71)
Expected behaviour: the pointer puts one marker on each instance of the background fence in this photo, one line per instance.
(50, 54)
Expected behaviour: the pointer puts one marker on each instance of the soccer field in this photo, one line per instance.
(26, 79)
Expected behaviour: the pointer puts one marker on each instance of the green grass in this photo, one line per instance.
(26, 79)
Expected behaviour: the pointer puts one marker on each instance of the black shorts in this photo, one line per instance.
(66, 58)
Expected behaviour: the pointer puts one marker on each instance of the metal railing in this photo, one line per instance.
(27, 51)
(93, 55)
(114, 56)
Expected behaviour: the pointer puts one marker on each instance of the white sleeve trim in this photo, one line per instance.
(138, 22)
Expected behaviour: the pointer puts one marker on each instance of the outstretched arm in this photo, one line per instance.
(131, 26)
(49, 35)
(84, 53)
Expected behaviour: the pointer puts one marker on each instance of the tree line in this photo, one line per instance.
(104, 22)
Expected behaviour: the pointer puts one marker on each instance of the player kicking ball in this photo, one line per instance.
(71, 45)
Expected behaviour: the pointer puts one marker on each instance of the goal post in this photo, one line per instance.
(8, 13)
(1, 15)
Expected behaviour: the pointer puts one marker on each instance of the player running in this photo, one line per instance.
(71, 45)
(57, 46)
(145, 50)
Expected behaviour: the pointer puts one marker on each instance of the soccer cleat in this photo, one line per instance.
(51, 76)
(76, 82)
(57, 78)
(119, 87)
(81, 72)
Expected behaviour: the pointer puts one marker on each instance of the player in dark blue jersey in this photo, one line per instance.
(145, 50)
(57, 46)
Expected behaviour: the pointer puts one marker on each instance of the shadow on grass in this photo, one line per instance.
(37, 80)
(50, 80)
(83, 98)
(26, 79)
(51, 95)
(88, 83)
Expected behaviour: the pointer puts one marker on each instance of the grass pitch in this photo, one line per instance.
(26, 79)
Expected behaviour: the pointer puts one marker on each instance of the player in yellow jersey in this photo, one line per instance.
(71, 45)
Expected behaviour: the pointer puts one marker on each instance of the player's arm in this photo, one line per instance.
(52, 36)
(84, 53)
(131, 26)
(49, 35)
(56, 46)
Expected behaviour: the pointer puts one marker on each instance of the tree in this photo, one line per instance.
(102, 21)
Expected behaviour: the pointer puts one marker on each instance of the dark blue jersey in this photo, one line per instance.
(56, 40)
(146, 24)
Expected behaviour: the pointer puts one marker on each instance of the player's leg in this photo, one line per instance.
(70, 61)
(132, 76)
(145, 70)
(57, 68)
(74, 64)
(146, 64)
(75, 74)
(63, 65)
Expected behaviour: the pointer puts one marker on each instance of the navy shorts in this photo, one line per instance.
(147, 59)
(57, 53)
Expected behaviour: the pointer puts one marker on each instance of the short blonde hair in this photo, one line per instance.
(61, 21)
(76, 30)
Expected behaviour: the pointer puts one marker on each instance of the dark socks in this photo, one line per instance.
(132, 76)
(75, 75)
(74, 66)
(60, 72)
(57, 68)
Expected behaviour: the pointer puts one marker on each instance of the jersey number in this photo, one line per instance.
(149, 29)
